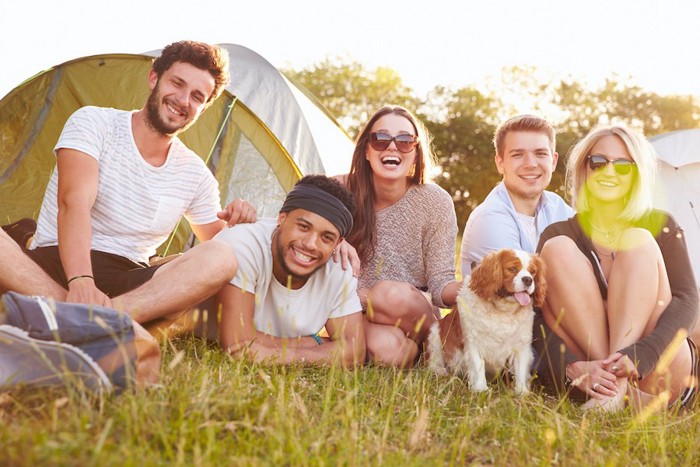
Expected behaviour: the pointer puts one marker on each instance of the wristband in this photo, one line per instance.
(83, 276)
(318, 340)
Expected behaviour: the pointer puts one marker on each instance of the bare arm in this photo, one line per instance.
(450, 292)
(438, 244)
(238, 336)
(77, 190)
(236, 212)
(205, 232)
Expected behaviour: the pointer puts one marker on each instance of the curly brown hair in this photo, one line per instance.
(211, 58)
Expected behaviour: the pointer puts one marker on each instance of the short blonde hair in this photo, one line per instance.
(642, 153)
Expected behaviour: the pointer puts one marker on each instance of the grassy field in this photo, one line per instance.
(213, 410)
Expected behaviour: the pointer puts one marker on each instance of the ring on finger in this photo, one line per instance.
(595, 387)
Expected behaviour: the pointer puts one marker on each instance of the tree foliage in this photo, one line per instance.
(352, 92)
(463, 146)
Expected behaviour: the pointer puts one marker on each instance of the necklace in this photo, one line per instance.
(610, 255)
(608, 236)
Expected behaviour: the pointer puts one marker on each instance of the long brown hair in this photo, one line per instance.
(360, 182)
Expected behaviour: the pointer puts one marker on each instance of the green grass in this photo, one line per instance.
(213, 410)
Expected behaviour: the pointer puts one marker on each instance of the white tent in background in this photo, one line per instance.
(679, 185)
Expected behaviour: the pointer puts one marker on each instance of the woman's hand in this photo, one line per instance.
(621, 366)
(347, 256)
(593, 378)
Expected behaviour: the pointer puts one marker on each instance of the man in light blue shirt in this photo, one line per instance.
(519, 208)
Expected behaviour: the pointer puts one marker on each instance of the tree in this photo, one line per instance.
(616, 101)
(463, 145)
(351, 92)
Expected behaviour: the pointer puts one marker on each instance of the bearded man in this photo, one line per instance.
(122, 182)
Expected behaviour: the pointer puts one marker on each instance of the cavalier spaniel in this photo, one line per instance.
(492, 328)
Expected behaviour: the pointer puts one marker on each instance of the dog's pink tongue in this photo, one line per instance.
(522, 297)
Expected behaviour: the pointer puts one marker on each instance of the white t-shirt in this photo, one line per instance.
(529, 227)
(330, 292)
(137, 204)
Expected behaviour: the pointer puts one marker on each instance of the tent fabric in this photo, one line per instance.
(678, 187)
(256, 138)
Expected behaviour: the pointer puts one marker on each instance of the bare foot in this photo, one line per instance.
(609, 404)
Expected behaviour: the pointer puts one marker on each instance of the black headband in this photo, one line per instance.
(316, 200)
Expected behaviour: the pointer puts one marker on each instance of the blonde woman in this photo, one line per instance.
(620, 283)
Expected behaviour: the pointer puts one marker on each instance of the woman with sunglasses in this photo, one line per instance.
(404, 232)
(621, 290)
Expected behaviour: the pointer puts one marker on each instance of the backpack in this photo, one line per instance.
(49, 343)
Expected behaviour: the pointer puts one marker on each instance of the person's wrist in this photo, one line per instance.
(79, 278)
(570, 379)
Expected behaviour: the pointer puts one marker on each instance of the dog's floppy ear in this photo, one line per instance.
(487, 278)
(540, 282)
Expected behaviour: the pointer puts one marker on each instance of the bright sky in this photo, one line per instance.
(428, 42)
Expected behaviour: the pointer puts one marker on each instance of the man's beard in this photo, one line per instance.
(278, 251)
(154, 118)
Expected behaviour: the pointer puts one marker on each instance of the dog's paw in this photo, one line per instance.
(522, 391)
(438, 370)
(479, 388)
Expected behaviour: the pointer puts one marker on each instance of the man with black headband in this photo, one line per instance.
(286, 289)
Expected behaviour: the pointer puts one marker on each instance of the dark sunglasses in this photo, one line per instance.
(404, 142)
(621, 166)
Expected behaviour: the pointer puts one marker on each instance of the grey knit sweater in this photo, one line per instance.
(415, 243)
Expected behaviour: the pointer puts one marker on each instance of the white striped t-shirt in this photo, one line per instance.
(137, 204)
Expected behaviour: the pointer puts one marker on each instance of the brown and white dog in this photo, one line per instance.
(492, 328)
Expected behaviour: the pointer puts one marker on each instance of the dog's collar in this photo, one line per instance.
(503, 293)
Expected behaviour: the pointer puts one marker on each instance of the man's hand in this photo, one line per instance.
(347, 255)
(83, 290)
(238, 212)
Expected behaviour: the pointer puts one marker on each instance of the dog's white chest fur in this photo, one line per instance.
(498, 333)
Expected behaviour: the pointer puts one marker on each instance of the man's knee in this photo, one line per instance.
(6, 242)
(217, 259)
